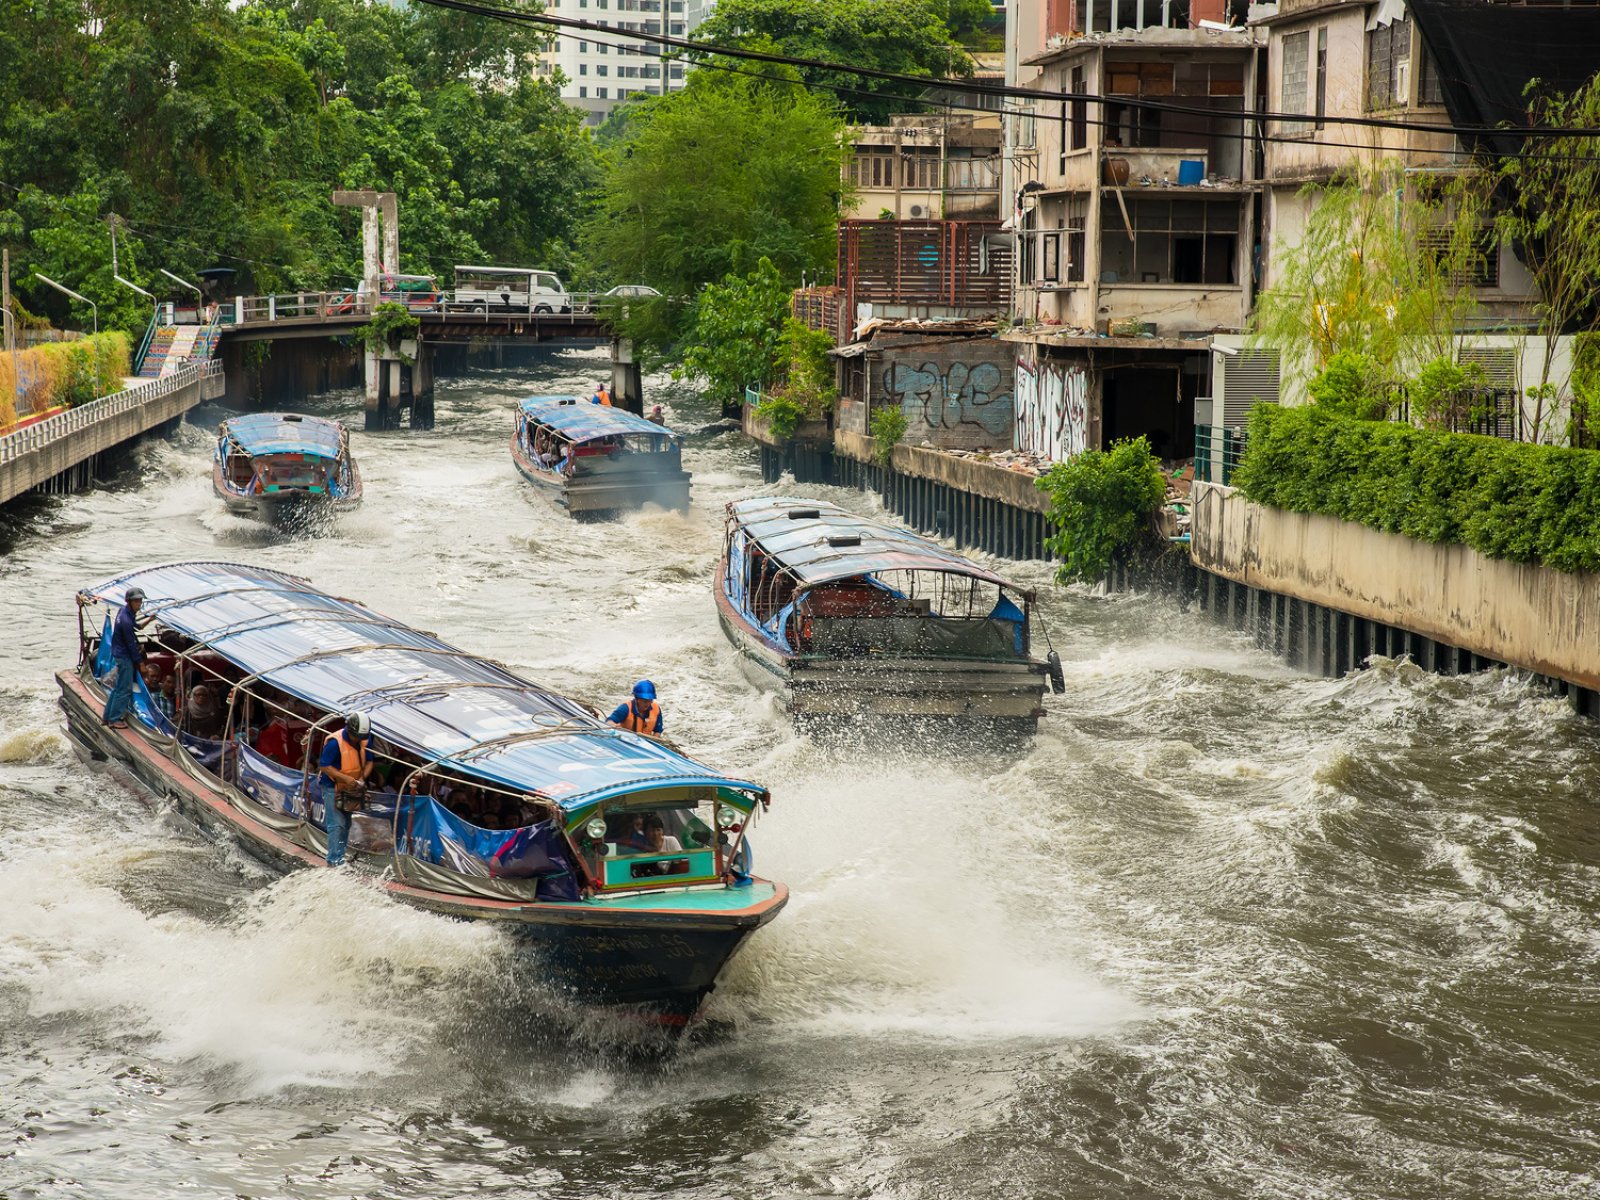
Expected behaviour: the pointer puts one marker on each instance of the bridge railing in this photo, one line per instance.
(341, 305)
(41, 434)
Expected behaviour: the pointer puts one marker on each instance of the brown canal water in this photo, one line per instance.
(1220, 931)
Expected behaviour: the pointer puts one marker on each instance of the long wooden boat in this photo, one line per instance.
(267, 463)
(851, 618)
(592, 458)
(553, 797)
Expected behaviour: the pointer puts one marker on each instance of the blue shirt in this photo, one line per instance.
(125, 637)
(331, 757)
(621, 714)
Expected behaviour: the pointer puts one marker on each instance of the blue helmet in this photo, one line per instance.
(644, 690)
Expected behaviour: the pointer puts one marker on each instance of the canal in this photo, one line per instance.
(1221, 931)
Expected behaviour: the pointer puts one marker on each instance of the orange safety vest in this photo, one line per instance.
(351, 758)
(605, 396)
(634, 723)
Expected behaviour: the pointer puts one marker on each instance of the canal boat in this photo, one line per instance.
(268, 463)
(593, 458)
(853, 618)
(494, 800)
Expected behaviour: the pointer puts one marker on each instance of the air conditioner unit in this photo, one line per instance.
(916, 210)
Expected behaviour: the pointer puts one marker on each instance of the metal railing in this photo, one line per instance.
(42, 433)
(1217, 451)
(343, 305)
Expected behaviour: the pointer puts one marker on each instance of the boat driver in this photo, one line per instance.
(126, 654)
(346, 762)
(642, 714)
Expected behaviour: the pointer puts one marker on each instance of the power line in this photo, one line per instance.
(691, 47)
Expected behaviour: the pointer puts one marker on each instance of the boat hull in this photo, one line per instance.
(608, 487)
(1007, 694)
(660, 961)
(285, 504)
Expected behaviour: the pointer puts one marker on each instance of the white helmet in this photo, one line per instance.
(358, 725)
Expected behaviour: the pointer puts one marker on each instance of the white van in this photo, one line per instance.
(509, 289)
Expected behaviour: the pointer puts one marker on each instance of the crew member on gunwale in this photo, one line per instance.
(642, 714)
(127, 654)
(346, 762)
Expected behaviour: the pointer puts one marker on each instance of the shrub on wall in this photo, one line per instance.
(1100, 504)
(58, 373)
(1511, 500)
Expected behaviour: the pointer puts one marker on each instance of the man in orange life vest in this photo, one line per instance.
(346, 762)
(602, 395)
(643, 715)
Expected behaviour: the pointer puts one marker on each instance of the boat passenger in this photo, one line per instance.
(657, 839)
(203, 715)
(642, 714)
(127, 654)
(345, 764)
(167, 701)
(657, 417)
(601, 396)
(274, 741)
(154, 683)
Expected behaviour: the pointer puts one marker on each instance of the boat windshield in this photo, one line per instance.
(646, 843)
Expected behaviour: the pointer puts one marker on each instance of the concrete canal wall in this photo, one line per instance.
(1327, 594)
(57, 453)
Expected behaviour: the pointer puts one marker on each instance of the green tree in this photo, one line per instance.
(1554, 213)
(1101, 503)
(734, 333)
(1384, 282)
(708, 181)
(906, 37)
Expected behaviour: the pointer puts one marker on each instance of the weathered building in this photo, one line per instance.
(925, 166)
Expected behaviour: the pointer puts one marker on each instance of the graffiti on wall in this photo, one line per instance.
(971, 400)
(1052, 409)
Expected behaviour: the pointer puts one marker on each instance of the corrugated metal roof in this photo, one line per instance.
(422, 694)
(578, 420)
(285, 433)
(820, 542)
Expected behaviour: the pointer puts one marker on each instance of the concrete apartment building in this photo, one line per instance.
(925, 166)
(598, 71)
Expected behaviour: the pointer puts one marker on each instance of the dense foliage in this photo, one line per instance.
(217, 131)
(906, 37)
(804, 389)
(1101, 503)
(709, 181)
(736, 329)
(1511, 500)
(889, 425)
(61, 373)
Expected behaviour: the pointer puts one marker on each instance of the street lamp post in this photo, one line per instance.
(66, 291)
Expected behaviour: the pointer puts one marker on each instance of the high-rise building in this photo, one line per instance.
(600, 70)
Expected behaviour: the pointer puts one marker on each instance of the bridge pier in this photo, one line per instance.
(627, 383)
(393, 384)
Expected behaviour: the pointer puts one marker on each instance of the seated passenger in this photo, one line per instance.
(155, 682)
(203, 715)
(630, 838)
(274, 741)
(657, 839)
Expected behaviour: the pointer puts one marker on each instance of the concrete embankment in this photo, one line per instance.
(1329, 593)
(974, 503)
(54, 449)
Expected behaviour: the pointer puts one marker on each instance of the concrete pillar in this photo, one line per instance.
(371, 265)
(627, 385)
(422, 388)
(389, 212)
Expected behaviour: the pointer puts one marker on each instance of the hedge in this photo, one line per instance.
(57, 373)
(1511, 500)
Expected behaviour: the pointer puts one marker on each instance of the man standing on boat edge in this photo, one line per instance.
(642, 714)
(127, 654)
(346, 761)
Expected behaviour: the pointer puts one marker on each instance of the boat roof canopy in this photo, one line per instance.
(285, 433)
(423, 695)
(577, 420)
(820, 542)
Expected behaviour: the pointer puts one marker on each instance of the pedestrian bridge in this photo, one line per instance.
(334, 314)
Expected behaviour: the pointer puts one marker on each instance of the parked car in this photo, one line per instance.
(622, 293)
(419, 293)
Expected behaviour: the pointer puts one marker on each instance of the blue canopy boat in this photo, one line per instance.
(592, 458)
(267, 461)
(851, 618)
(500, 801)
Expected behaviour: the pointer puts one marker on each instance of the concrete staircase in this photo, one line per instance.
(174, 345)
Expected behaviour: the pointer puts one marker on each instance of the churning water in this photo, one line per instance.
(1221, 930)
